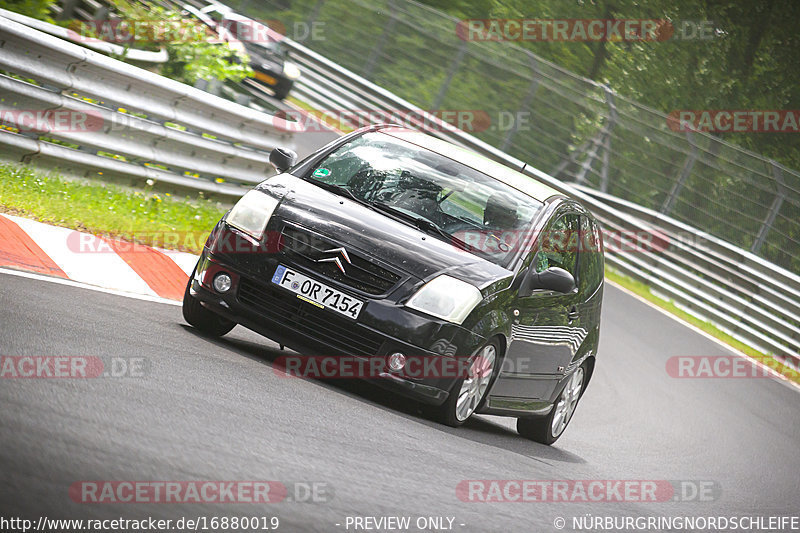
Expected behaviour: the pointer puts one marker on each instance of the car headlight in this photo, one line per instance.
(446, 297)
(291, 71)
(252, 212)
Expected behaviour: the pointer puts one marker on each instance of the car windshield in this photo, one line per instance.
(435, 193)
(269, 47)
(256, 37)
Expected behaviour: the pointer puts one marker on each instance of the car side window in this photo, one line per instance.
(559, 245)
(591, 261)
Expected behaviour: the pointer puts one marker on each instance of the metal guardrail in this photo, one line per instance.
(744, 295)
(131, 54)
(152, 127)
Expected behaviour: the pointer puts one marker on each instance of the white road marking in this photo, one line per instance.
(70, 283)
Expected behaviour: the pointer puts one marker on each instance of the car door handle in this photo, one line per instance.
(573, 314)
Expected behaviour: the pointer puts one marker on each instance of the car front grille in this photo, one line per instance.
(304, 248)
(322, 325)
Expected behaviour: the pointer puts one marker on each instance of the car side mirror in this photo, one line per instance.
(553, 279)
(282, 159)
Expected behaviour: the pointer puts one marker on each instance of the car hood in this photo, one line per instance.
(374, 234)
(262, 61)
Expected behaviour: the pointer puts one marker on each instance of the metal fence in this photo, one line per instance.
(578, 130)
(141, 126)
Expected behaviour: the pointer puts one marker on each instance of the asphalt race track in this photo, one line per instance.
(216, 410)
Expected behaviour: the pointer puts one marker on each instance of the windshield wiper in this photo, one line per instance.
(423, 223)
(341, 191)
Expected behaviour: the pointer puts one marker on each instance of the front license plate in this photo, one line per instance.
(316, 293)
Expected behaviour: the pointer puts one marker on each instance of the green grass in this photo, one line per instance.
(139, 216)
(645, 292)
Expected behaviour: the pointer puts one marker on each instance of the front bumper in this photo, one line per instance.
(383, 327)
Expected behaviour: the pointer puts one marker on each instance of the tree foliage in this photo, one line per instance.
(750, 62)
(194, 56)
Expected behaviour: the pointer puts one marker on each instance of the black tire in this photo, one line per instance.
(540, 428)
(281, 94)
(446, 413)
(204, 320)
(282, 89)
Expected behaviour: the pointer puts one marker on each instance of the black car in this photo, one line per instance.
(269, 57)
(389, 243)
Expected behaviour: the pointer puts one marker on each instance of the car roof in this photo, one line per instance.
(522, 182)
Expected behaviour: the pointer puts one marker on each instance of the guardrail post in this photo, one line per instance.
(67, 9)
(214, 87)
(774, 209)
(451, 72)
(612, 121)
(596, 141)
(571, 159)
(603, 137)
(243, 99)
(686, 171)
(101, 13)
(526, 102)
(388, 29)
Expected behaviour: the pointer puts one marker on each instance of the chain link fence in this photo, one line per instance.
(571, 127)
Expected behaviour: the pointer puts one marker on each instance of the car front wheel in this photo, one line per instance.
(282, 89)
(547, 429)
(469, 392)
(206, 321)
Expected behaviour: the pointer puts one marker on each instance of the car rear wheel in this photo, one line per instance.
(204, 320)
(547, 429)
(469, 392)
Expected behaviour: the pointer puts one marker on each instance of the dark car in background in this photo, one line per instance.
(269, 57)
(389, 243)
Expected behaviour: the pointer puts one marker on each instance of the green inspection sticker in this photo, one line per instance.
(321, 173)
